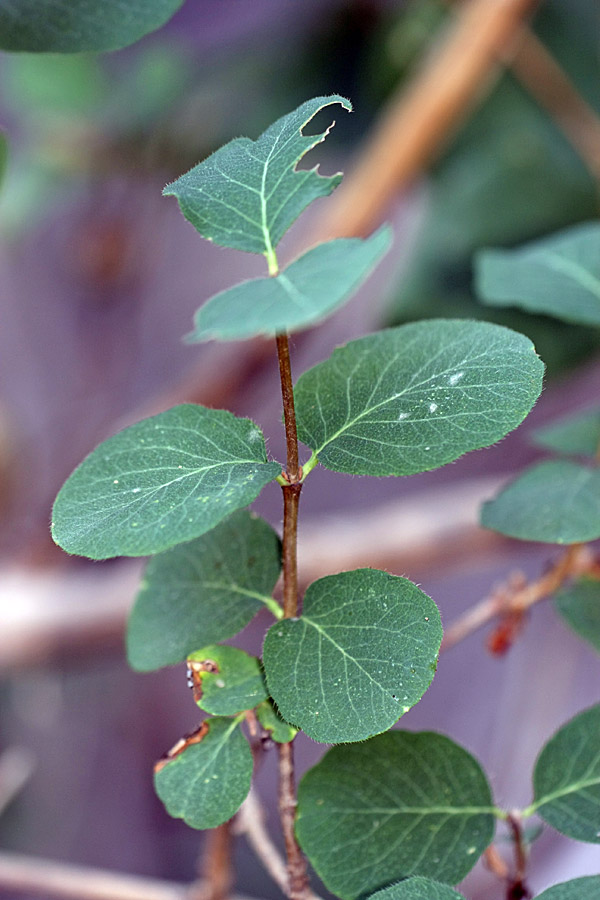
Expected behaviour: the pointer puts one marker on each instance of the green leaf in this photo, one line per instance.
(416, 397)
(206, 590)
(311, 288)
(226, 680)
(579, 605)
(566, 779)
(586, 888)
(417, 889)
(161, 482)
(362, 653)
(73, 26)
(247, 194)
(401, 804)
(280, 730)
(556, 502)
(577, 435)
(558, 276)
(206, 781)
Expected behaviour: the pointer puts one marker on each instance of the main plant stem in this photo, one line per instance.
(296, 865)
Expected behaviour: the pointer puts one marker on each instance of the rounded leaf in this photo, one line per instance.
(362, 653)
(161, 482)
(74, 26)
(398, 805)
(577, 435)
(206, 777)
(279, 730)
(566, 778)
(226, 680)
(556, 502)
(579, 605)
(413, 398)
(203, 591)
(417, 889)
(586, 888)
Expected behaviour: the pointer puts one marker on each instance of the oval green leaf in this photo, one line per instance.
(574, 436)
(586, 888)
(74, 26)
(566, 778)
(417, 889)
(206, 781)
(579, 605)
(362, 653)
(161, 482)
(416, 397)
(247, 194)
(555, 502)
(279, 730)
(557, 276)
(206, 590)
(310, 289)
(401, 804)
(226, 681)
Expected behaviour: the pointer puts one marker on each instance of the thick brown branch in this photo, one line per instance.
(507, 600)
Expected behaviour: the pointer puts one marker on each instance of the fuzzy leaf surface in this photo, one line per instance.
(579, 605)
(311, 288)
(163, 481)
(279, 730)
(417, 889)
(362, 653)
(416, 397)
(401, 804)
(574, 436)
(207, 782)
(230, 680)
(74, 26)
(558, 276)
(556, 502)
(247, 194)
(586, 888)
(203, 591)
(566, 778)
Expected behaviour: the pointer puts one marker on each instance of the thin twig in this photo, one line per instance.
(575, 561)
(298, 878)
(250, 822)
(289, 411)
(517, 888)
(418, 121)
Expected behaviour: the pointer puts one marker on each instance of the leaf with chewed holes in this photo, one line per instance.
(226, 680)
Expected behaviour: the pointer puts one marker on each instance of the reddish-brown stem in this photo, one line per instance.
(517, 889)
(296, 865)
(215, 866)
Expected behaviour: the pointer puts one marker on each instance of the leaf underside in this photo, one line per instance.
(207, 783)
(309, 289)
(74, 26)
(362, 653)
(557, 276)
(161, 482)
(400, 804)
(566, 778)
(203, 591)
(555, 502)
(416, 397)
(247, 194)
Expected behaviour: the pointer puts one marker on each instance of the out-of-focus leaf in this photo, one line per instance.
(577, 435)
(579, 605)
(586, 888)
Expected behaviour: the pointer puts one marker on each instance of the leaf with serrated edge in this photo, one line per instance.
(401, 804)
(579, 605)
(577, 435)
(206, 783)
(279, 730)
(566, 779)
(203, 591)
(416, 397)
(416, 889)
(586, 888)
(163, 481)
(309, 289)
(557, 276)
(74, 26)
(362, 653)
(555, 502)
(247, 194)
(226, 680)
